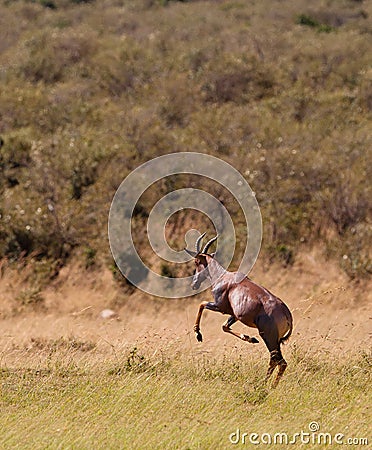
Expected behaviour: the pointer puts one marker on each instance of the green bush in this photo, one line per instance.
(90, 91)
(304, 19)
(48, 4)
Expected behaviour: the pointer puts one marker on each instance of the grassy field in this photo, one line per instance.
(69, 379)
(179, 401)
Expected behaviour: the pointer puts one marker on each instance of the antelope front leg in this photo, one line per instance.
(199, 336)
(208, 305)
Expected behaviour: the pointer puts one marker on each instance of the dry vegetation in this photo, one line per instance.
(157, 402)
(89, 90)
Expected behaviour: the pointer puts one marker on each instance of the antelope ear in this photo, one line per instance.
(190, 252)
(213, 254)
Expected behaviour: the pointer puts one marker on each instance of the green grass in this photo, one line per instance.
(178, 401)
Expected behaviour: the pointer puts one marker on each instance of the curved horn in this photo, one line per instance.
(208, 244)
(198, 242)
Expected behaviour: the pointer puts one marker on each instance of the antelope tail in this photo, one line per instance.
(289, 332)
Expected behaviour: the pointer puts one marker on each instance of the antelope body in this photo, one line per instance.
(245, 301)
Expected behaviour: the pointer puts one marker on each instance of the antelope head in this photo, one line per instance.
(201, 265)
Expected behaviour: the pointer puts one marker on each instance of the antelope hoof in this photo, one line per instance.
(251, 340)
(199, 336)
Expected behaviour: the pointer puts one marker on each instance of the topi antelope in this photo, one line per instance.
(235, 294)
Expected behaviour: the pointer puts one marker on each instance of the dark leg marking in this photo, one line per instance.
(269, 334)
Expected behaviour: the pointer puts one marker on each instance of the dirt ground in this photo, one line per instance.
(331, 314)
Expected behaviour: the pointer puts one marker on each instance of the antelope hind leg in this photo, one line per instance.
(282, 366)
(244, 337)
(276, 359)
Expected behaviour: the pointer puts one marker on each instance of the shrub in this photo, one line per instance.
(304, 19)
(15, 157)
(50, 58)
(48, 4)
(166, 271)
(90, 91)
(240, 84)
(29, 298)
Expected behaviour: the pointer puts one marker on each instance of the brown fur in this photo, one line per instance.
(253, 305)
